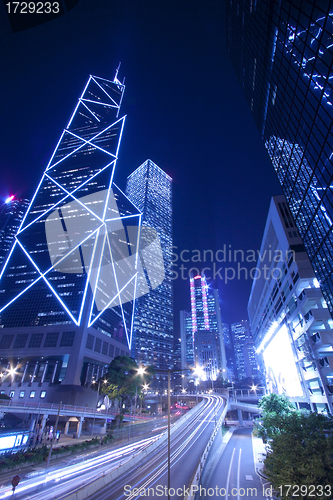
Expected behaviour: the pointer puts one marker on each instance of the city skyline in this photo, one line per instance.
(218, 169)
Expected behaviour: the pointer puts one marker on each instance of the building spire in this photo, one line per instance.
(116, 75)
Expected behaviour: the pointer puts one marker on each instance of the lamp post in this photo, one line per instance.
(169, 420)
(98, 387)
(140, 371)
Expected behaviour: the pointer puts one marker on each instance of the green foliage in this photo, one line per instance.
(38, 455)
(275, 407)
(123, 380)
(276, 403)
(301, 454)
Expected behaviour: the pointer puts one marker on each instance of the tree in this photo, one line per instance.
(275, 407)
(123, 379)
(302, 454)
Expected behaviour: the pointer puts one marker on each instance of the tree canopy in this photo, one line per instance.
(123, 379)
(275, 407)
(302, 454)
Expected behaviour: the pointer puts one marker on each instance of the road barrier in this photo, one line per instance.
(192, 487)
(107, 477)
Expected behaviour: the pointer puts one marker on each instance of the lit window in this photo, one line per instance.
(43, 394)
(32, 394)
(22, 394)
(11, 394)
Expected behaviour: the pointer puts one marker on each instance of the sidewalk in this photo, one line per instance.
(259, 454)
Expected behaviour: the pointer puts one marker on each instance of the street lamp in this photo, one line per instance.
(93, 382)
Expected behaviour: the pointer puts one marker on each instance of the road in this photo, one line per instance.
(63, 478)
(233, 475)
(187, 446)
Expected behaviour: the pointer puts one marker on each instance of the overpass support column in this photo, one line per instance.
(104, 428)
(240, 417)
(66, 428)
(32, 423)
(42, 425)
(79, 427)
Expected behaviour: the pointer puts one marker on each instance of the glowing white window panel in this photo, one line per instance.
(7, 442)
(280, 365)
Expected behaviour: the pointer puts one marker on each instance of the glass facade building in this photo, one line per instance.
(186, 336)
(229, 351)
(246, 362)
(150, 190)
(11, 215)
(282, 53)
(67, 290)
(207, 330)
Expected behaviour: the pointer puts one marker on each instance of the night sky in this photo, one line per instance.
(185, 111)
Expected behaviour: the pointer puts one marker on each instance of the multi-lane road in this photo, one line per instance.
(187, 444)
(233, 475)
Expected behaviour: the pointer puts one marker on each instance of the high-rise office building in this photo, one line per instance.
(246, 363)
(186, 336)
(229, 352)
(149, 188)
(11, 215)
(207, 331)
(282, 53)
(67, 291)
(291, 324)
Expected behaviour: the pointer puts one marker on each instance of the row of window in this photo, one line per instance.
(98, 345)
(51, 340)
(22, 394)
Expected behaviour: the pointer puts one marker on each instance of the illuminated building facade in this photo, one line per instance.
(207, 331)
(291, 324)
(282, 53)
(11, 215)
(186, 336)
(229, 351)
(246, 363)
(150, 190)
(67, 290)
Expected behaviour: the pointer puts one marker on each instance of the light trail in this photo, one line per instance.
(89, 468)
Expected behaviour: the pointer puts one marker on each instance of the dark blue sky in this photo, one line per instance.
(185, 111)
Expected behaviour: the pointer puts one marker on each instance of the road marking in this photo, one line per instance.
(229, 472)
(249, 478)
(238, 474)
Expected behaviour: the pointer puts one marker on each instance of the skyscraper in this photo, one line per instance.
(186, 335)
(246, 363)
(282, 53)
(207, 331)
(291, 324)
(67, 291)
(11, 215)
(229, 351)
(149, 189)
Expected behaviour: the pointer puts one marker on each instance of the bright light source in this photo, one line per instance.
(10, 198)
(141, 370)
(281, 366)
(12, 372)
(199, 372)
